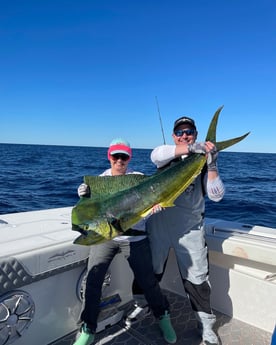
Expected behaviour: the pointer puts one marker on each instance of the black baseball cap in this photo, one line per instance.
(184, 120)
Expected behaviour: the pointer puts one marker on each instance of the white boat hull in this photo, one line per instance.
(41, 270)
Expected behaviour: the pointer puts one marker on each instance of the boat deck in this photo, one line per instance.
(146, 331)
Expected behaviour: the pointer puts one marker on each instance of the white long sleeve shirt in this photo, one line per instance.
(164, 154)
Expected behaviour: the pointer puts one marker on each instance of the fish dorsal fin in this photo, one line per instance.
(108, 185)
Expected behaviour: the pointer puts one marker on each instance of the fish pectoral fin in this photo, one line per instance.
(112, 228)
(115, 223)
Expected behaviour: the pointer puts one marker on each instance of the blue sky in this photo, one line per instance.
(84, 72)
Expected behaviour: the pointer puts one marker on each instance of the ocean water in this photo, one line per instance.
(36, 177)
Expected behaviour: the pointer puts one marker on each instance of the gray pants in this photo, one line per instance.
(168, 230)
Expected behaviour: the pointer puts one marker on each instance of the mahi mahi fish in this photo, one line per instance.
(119, 202)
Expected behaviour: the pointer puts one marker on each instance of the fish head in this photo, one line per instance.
(96, 231)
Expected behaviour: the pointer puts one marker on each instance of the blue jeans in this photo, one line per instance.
(138, 255)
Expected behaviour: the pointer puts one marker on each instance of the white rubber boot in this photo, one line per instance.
(206, 323)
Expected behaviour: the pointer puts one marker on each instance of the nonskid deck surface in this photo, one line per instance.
(146, 332)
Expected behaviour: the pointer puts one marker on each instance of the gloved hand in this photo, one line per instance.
(212, 160)
(197, 148)
(83, 190)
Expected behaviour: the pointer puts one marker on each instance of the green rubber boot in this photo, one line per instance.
(167, 328)
(86, 337)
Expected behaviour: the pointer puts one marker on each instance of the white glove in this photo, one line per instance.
(197, 148)
(83, 190)
(212, 160)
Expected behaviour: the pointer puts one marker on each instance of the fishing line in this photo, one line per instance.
(160, 120)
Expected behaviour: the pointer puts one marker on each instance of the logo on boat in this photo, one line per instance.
(61, 256)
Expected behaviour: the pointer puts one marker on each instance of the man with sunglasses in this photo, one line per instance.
(134, 245)
(182, 227)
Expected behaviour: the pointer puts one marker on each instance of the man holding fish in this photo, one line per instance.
(182, 227)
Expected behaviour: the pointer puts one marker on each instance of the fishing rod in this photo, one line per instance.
(160, 120)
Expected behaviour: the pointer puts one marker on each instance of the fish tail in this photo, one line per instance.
(212, 132)
(226, 143)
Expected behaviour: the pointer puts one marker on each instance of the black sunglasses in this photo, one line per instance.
(180, 132)
(121, 156)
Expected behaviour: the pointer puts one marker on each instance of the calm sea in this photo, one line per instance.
(35, 177)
